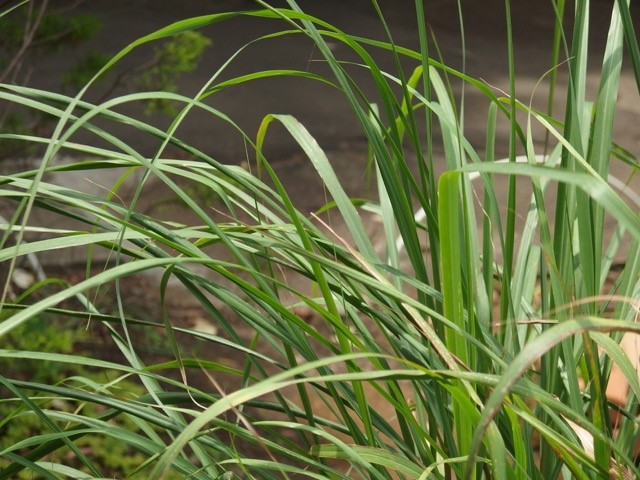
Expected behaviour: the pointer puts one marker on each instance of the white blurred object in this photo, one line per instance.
(22, 278)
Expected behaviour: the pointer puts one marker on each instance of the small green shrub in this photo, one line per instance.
(31, 33)
(173, 59)
(110, 455)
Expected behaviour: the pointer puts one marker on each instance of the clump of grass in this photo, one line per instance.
(407, 371)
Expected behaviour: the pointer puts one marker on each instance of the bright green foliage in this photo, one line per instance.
(41, 335)
(457, 352)
(173, 59)
(38, 336)
(110, 455)
(30, 34)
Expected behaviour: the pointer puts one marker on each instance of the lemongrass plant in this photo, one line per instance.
(485, 357)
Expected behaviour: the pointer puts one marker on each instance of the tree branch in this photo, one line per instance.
(27, 39)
